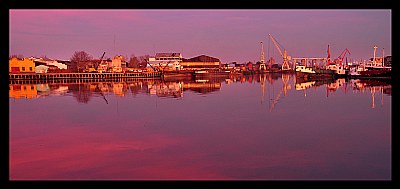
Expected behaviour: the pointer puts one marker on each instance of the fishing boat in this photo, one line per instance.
(310, 72)
(375, 71)
(339, 70)
(372, 69)
(336, 66)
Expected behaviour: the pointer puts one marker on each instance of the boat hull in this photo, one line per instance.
(373, 73)
(319, 73)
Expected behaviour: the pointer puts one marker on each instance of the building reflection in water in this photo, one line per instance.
(83, 92)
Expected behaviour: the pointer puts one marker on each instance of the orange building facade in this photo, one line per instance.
(21, 66)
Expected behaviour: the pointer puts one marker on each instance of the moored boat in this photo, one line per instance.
(211, 73)
(309, 72)
(372, 69)
(376, 71)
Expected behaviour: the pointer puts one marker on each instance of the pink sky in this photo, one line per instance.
(230, 35)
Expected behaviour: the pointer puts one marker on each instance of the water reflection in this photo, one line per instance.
(377, 85)
(270, 126)
(84, 91)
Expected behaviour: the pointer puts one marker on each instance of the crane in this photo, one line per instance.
(96, 65)
(285, 64)
(342, 55)
(285, 87)
(101, 59)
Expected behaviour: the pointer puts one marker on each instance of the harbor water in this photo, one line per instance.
(256, 127)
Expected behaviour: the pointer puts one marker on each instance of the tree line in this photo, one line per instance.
(80, 59)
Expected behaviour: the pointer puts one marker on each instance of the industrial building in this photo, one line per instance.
(201, 62)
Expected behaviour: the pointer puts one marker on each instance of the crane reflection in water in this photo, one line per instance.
(83, 92)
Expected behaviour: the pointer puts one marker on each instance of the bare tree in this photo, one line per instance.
(19, 56)
(80, 59)
(44, 57)
(143, 61)
(133, 61)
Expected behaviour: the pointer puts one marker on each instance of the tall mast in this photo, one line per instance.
(383, 57)
(262, 53)
(329, 56)
(373, 61)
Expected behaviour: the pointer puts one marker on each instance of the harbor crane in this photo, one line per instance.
(285, 64)
(96, 65)
(285, 87)
(342, 55)
(154, 68)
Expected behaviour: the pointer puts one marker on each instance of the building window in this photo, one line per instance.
(32, 88)
(23, 68)
(30, 68)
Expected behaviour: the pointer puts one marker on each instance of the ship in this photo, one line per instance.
(372, 69)
(310, 72)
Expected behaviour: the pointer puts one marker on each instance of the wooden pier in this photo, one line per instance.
(63, 76)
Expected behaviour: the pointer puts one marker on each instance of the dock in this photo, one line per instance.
(63, 76)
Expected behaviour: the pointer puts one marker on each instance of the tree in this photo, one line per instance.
(133, 61)
(80, 59)
(143, 61)
(44, 57)
(19, 56)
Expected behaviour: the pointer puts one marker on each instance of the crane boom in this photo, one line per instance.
(273, 40)
(101, 59)
(285, 64)
(342, 55)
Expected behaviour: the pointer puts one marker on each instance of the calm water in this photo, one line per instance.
(268, 127)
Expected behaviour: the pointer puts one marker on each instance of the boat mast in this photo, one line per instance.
(373, 61)
(262, 53)
(383, 57)
(329, 57)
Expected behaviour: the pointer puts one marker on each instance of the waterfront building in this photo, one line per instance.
(201, 62)
(45, 65)
(229, 66)
(51, 63)
(41, 69)
(116, 64)
(21, 66)
(250, 66)
(171, 61)
(388, 61)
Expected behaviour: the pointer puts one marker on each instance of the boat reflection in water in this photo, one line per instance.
(84, 91)
(381, 85)
(247, 127)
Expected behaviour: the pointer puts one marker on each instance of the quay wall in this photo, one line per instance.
(55, 76)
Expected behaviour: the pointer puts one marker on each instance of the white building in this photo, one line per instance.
(48, 62)
(41, 69)
(169, 61)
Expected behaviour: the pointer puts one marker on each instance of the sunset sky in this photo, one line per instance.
(227, 34)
